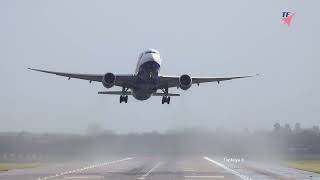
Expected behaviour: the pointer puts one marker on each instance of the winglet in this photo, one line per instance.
(45, 71)
(34, 69)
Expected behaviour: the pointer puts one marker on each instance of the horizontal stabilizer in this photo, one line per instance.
(115, 92)
(130, 93)
(163, 94)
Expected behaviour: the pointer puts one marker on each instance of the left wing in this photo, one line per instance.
(126, 80)
(173, 81)
(90, 77)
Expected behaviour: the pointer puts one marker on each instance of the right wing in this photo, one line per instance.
(197, 80)
(173, 81)
(126, 80)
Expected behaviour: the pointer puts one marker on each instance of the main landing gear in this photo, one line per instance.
(165, 98)
(123, 97)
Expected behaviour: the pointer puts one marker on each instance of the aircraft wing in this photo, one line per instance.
(90, 77)
(173, 81)
(121, 80)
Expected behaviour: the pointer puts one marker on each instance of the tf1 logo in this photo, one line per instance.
(287, 17)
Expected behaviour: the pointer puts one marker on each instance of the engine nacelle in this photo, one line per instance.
(108, 80)
(185, 82)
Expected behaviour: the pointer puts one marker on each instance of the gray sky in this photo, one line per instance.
(201, 38)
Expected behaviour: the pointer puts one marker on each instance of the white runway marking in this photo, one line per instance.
(84, 177)
(58, 175)
(189, 170)
(150, 171)
(228, 169)
(217, 177)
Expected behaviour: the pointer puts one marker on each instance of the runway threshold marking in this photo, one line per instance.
(58, 175)
(150, 171)
(243, 177)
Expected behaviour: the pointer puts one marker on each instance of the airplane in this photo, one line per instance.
(145, 81)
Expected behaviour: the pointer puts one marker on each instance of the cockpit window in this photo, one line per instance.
(149, 52)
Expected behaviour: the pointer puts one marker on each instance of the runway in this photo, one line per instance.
(160, 168)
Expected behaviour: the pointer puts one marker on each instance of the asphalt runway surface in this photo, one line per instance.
(160, 168)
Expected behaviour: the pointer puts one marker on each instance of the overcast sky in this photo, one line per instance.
(200, 38)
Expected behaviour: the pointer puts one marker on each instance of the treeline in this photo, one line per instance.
(100, 142)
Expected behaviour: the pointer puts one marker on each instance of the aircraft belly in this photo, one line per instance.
(147, 79)
(142, 94)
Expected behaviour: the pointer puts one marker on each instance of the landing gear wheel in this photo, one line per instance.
(123, 98)
(166, 99)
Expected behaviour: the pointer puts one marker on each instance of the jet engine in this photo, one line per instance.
(108, 80)
(185, 82)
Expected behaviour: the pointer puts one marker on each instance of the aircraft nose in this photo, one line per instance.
(154, 56)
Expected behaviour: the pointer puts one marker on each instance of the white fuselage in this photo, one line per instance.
(148, 57)
(147, 73)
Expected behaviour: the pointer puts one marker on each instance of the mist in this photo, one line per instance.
(277, 143)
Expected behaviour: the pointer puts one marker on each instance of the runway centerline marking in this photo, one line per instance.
(58, 175)
(150, 171)
(243, 177)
